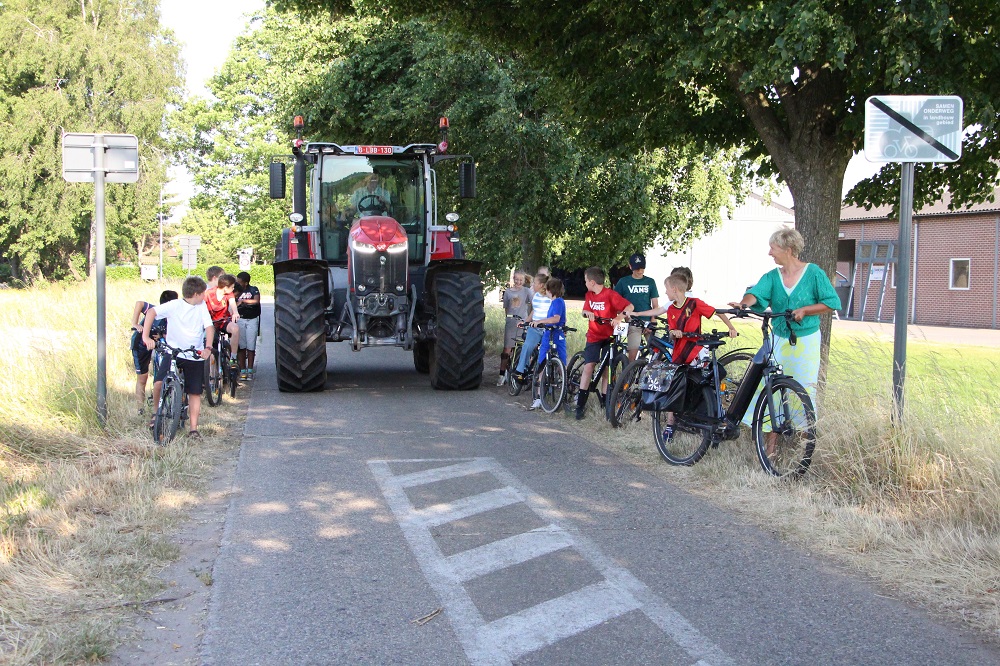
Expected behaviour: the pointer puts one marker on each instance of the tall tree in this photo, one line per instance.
(546, 193)
(98, 66)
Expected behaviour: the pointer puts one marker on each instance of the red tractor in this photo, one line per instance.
(367, 260)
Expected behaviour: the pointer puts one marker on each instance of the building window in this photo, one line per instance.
(959, 278)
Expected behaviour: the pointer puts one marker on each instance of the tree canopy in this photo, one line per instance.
(788, 78)
(546, 191)
(70, 67)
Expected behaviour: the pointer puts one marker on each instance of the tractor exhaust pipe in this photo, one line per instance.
(299, 171)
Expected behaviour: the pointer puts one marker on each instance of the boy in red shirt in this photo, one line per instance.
(607, 304)
(221, 303)
(684, 315)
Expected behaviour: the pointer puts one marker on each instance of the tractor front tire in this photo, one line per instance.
(456, 360)
(299, 332)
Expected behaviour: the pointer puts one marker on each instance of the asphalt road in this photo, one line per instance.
(381, 522)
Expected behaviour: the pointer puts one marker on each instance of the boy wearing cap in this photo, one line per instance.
(641, 292)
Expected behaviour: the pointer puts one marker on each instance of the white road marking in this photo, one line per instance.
(504, 553)
(531, 629)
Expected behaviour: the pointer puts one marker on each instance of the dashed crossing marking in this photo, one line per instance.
(510, 637)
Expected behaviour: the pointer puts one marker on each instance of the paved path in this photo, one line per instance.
(381, 522)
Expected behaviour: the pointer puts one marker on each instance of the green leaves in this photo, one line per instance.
(108, 68)
(546, 192)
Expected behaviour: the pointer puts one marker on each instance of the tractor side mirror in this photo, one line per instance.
(467, 180)
(276, 173)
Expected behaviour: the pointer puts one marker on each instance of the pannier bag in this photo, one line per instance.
(663, 385)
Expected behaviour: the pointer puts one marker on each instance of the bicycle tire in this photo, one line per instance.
(234, 380)
(624, 399)
(615, 369)
(514, 387)
(168, 414)
(796, 439)
(552, 385)
(735, 363)
(688, 444)
(574, 370)
(213, 379)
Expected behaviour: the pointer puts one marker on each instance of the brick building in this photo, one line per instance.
(954, 269)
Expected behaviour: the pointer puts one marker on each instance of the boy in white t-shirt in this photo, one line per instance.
(189, 325)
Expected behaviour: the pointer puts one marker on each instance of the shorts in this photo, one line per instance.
(510, 332)
(140, 355)
(634, 338)
(248, 333)
(594, 350)
(193, 373)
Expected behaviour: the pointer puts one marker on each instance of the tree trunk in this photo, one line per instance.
(811, 154)
(532, 250)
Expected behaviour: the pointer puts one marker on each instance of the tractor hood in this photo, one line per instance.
(378, 231)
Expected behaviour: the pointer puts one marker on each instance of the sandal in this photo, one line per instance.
(194, 434)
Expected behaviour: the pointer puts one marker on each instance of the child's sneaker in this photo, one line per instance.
(502, 379)
(537, 404)
(243, 375)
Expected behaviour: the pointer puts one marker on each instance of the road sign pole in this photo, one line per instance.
(102, 377)
(902, 287)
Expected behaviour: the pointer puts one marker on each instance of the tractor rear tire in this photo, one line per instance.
(299, 332)
(422, 356)
(456, 360)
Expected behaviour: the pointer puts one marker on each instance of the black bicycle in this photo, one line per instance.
(549, 383)
(613, 360)
(171, 411)
(219, 372)
(624, 404)
(516, 383)
(784, 420)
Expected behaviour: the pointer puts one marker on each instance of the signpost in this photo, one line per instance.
(909, 129)
(100, 158)
(189, 249)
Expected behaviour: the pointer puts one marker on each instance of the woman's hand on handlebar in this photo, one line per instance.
(798, 314)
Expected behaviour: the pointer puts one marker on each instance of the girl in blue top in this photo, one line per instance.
(557, 316)
(806, 290)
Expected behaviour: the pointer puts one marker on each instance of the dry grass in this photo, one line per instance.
(916, 506)
(84, 514)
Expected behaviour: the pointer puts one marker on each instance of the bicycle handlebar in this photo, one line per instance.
(162, 345)
(765, 317)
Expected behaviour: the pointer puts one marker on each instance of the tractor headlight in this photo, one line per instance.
(364, 248)
(397, 249)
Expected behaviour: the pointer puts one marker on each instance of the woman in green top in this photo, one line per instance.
(806, 290)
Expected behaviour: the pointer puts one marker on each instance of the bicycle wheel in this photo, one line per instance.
(168, 414)
(213, 379)
(624, 399)
(234, 379)
(514, 386)
(786, 437)
(574, 370)
(552, 385)
(688, 443)
(735, 363)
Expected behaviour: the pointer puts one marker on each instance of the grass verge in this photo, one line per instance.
(916, 506)
(85, 513)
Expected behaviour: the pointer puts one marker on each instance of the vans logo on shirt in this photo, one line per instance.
(597, 307)
(638, 289)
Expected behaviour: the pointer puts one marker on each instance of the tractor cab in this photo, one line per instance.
(354, 187)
